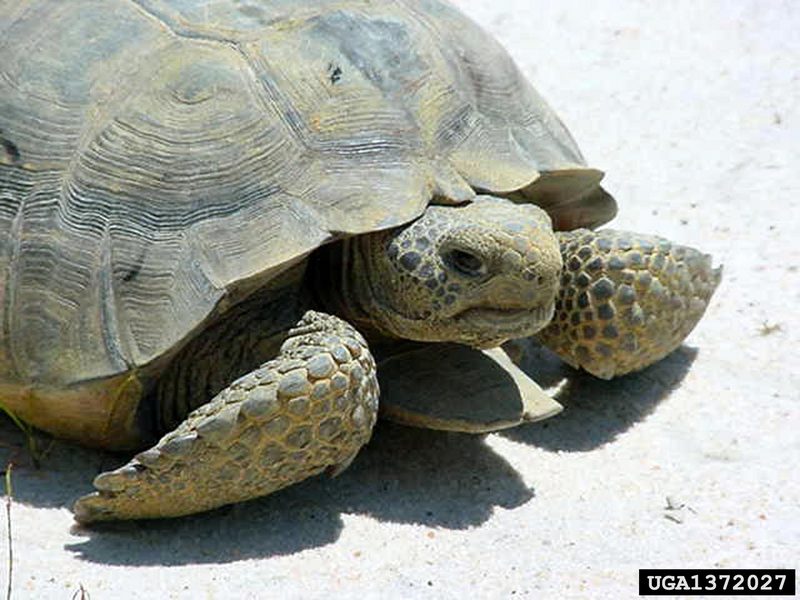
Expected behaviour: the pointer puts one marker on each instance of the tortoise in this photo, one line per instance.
(217, 218)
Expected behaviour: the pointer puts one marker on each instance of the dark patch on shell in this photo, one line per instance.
(132, 273)
(11, 150)
(334, 73)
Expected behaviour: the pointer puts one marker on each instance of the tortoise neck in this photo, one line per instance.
(338, 277)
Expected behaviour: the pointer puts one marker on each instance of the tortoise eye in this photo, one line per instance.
(465, 263)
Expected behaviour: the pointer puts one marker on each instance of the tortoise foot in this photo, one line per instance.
(626, 300)
(308, 410)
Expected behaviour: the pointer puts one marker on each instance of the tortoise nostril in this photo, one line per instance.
(465, 263)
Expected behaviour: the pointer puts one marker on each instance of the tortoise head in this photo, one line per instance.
(479, 274)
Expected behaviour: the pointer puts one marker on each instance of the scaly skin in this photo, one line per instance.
(478, 274)
(308, 410)
(626, 300)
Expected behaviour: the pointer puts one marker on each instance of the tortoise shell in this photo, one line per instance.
(159, 159)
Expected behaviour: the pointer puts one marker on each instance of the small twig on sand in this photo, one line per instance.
(768, 328)
(9, 496)
(673, 510)
(81, 593)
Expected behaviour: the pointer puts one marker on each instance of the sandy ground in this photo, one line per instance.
(692, 109)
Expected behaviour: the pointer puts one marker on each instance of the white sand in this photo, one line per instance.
(692, 109)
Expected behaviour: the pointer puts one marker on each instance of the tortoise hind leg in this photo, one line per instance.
(308, 410)
(626, 300)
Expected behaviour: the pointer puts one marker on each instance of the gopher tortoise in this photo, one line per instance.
(216, 218)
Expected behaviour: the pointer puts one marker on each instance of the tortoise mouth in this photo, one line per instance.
(507, 323)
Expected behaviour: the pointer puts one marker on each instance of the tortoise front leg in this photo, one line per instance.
(626, 300)
(308, 410)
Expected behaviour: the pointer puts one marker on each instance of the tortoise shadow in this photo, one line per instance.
(404, 475)
(596, 411)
